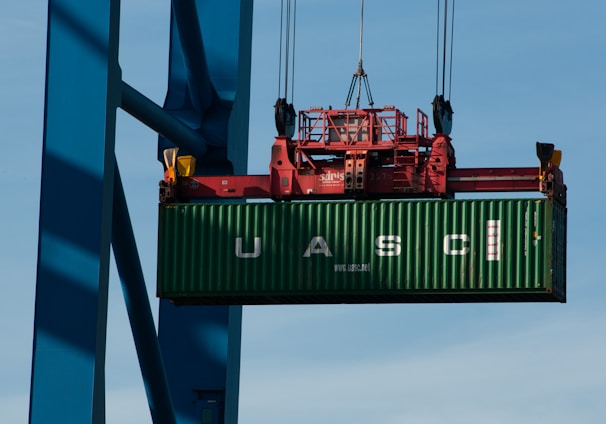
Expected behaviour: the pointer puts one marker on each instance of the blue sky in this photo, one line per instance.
(523, 72)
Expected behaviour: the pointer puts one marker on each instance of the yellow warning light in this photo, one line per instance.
(186, 165)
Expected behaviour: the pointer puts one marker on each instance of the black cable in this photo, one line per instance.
(451, 49)
(280, 53)
(444, 45)
(294, 33)
(438, 48)
(287, 50)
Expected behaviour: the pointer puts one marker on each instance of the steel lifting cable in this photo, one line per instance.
(287, 49)
(294, 38)
(445, 49)
(360, 67)
(288, 16)
(285, 114)
(359, 77)
(280, 51)
(438, 46)
(444, 45)
(451, 48)
(442, 109)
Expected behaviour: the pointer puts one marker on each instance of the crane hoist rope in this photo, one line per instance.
(285, 114)
(359, 77)
(442, 109)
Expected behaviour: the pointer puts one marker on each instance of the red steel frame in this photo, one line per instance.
(365, 153)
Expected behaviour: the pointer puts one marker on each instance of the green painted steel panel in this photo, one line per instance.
(363, 252)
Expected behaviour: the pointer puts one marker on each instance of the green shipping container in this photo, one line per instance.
(363, 252)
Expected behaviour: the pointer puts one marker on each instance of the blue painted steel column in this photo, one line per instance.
(82, 94)
(201, 351)
(209, 79)
(209, 89)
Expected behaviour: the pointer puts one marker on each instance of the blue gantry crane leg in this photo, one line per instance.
(209, 89)
(82, 94)
(83, 91)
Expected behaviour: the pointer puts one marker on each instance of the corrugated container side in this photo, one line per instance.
(363, 252)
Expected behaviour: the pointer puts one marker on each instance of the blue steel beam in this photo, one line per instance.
(82, 94)
(161, 121)
(138, 308)
(209, 89)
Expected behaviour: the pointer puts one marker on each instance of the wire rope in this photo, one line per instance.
(444, 45)
(438, 47)
(451, 48)
(284, 112)
(359, 77)
(360, 67)
(280, 52)
(361, 31)
(294, 38)
(447, 48)
(442, 109)
(287, 49)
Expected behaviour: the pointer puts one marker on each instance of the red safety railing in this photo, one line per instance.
(334, 129)
(422, 124)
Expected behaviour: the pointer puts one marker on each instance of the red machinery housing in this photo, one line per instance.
(360, 153)
(366, 153)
